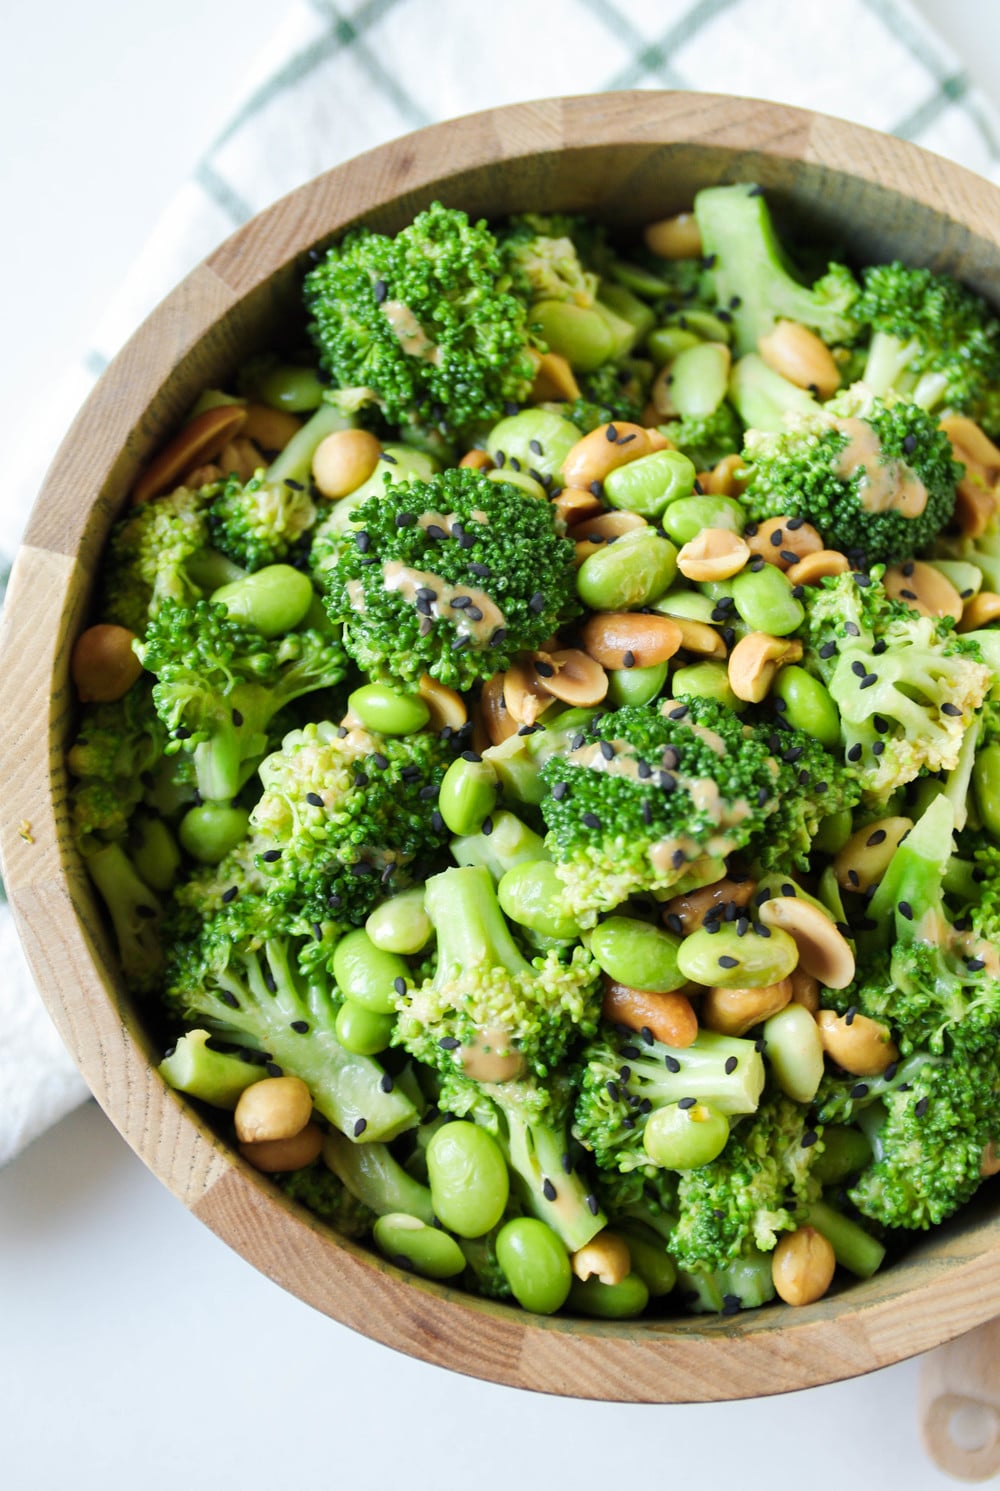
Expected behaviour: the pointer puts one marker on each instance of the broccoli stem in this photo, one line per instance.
(375, 1177)
(913, 881)
(135, 911)
(471, 929)
(510, 843)
(294, 463)
(886, 364)
(746, 1283)
(854, 1248)
(536, 1152)
(216, 1077)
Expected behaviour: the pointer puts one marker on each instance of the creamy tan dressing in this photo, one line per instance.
(356, 595)
(447, 521)
(479, 626)
(490, 1058)
(410, 334)
(886, 485)
(711, 738)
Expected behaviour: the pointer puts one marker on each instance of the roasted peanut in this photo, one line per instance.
(594, 456)
(797, 353)
(860, 1045)
(576, 505)
(989, 1160)
(923, 588)
(240, 458)
(805, 990)
(682, 914)
(716, 554)
(575, 677)
(779, 544)
(200, 440)
(477, 460)
(605, 1257)
(343, 461)
(726, 479)
(699, 637)
(812, 568)
(802, 1266)
(554, 380)
(274, 1108)
(865, 857)
(446, 706)
(670, 1017)
(604, 526)
(735, 1011)
(980, 610)
(524, 693)
(630, 639)
(978, 491)
(500, 725)
(677, 237)
(755, 660)
(276, 1155)
(270, 429)
(103, 665)
(823, 949)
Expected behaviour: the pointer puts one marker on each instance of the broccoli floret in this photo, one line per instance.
(259, 522)
(321, 1192)
(906, 686)
(220, 683)
(648, 794)
(707, 440)
(876, 478)
(427, 319)
(933, 341)
(136, 912)
(117, 745)
(543, 263)
(750, 271)
(452, 576)
(147, 558)
(623, 1080)
(239, 974)
(486, 1011)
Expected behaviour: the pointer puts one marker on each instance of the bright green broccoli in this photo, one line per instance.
(543, 262)
(259, 522)
(149, 558)
(451, 576)
(708, 439)
(320, 1191)
(427, 319)
(117, 747)
(136, 911)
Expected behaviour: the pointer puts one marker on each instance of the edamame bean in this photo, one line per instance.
(633, 571)
(274, 599)
(535, 1264)
(808, 704)
(366, 973)
(725, 959)
(637, 953)
(537, 439)
(845, 1152)
(986, 786)
(289, 387)
(666, 342)
(519, 479)
(636, 277)
(699, 377)
(650, 1260)
(468, 795)
(401, 925)
(706, 681)
(621, 1301)
(833, 832)
(468, 1178)
(387, 710)
(208, 831)
(648, 485)
(619, 299)
(636, 685)
(687, 605)
(795, 1052)
(530, 894)
(410, 1243)
(708, 327)
(362, 1030)
(578, 333)
(685, 1138)
(685, 519)
(765, 601)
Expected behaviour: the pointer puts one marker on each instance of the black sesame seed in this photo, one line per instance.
(228, 999)
(686, 1102)
(950, 709)
(386, 1083)
(809, 1138)
(360, 1127)
(449, 1043)
(672, 1064)
(229, 894)
(613, 1092)
(593, 1205)
(731, 1064)
(877, 837)
(921, 1106)
(537, 602)
(854, 753)
(273, 1069)
(590, 820)
(725, 961)
(859, 1090)
(301, 1027)
(548, 1189)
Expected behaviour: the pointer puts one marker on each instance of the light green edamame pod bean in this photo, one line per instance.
(685, 519)
(366, 973)
(216, 1077)
(362, 1030)
(401, 925)
(468, 795)
(387, 710)
(287, 386)
(468, 1178)
(636, 685)
(538, 439)
(622, 1301)
(637, 278)
(690, 605)
(637, 953)
(699, 377)
(808, 705)
(519, 479)
(765, 601)
(705, 681)
(274, 599)
(679, 1138)
(986, 786)
(726, 959)
(794, 1050)
(410, 1243)
(620, 299)
(666, 342)
(624, 332)
(530, 895)
(208, 831)
(833, 832)
(154, 851)
(576, 332)
(633, 571)
(651, 483)
(845, 1152)
(650, 1259)
(535, 1264)
(708, 327)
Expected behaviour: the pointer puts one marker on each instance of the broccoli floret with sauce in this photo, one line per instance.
(451, 576)
(150, 557)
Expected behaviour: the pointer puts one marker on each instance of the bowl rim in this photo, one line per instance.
(126, 415)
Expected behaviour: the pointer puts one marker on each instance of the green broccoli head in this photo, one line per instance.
(708, 439)
(876, 477)
(932, 340)
(451, 576)
(116, 747)
(426, 318)
(147, 557)
(906, 686)
(261, 521)
(543, 262)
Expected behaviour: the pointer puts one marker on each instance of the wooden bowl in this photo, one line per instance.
(629, 157)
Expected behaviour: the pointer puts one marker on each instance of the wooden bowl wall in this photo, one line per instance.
(629, 158)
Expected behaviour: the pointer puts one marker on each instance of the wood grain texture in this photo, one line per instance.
(629, 158)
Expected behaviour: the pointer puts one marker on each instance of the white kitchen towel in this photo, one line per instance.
(337, 79)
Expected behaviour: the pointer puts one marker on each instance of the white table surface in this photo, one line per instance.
(135, 1348)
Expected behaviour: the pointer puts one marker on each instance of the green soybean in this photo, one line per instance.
(726, 959)
(209, 831)
(708, 326)
(636, 277)
(651, 483)
(834, 831)
(808, 705)
(636, 685)
(650, 1259)
(637, 953)
(624, 332)
(689, 605)
(274, 599)
(665, 342)
(519, 479)
(535, 1264)
(410, 1243)
(685, 519)
(288, 386)
(387, 710)
(468, 1178)
(468, 795)
(845, 1151)
(622, 1301)
(633, 571)
(538, 439)
(705, 681)
(620, 299)
(699, 377)
(795, 1052)
(685, 1138)
(765, 601)
(362, 1030)
(967, 578)
(401, 925)
(986, 787)
(576, 332)
(530, 894)
(366, 973)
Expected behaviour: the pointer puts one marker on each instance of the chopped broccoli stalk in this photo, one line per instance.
(197, 1067)
(744, 1283)
(375, 1178)
(706, 439)
(136, 913)
(763, 399)
(853, 1247)
(318, 1189)
(510, 843)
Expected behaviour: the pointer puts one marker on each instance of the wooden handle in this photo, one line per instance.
(959, 1404)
